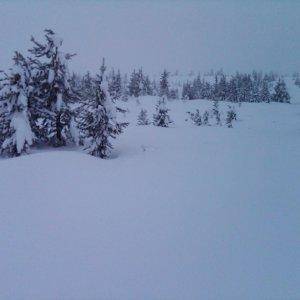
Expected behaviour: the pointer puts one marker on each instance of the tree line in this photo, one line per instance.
(254, 87)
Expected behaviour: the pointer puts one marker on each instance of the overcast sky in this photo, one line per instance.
(184, 35)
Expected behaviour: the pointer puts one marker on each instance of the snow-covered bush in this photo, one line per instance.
(230, 116)
(205, 118)
(196, 117)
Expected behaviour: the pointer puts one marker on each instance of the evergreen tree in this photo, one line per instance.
(155, 91)
(134, 86)
(161, 117)
(51, 112)
(146, 86)
(125, 91)
(97, 120)
(16, 134)
(220, 88)
(187, 91)
(143, 118)
(173, 94)
(115, 85)
(231, 115)
(197, 87)
(206, 91)
(216, 112)
(232, 90)
(244, 87)
(196, 117)
(206, 118)
(164, 85)
(256, 86)
(281, 94)
(265, 95)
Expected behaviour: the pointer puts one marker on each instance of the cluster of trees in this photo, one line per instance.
(161, 116)
(209, 117)
(213, 116)
(40, 104)
(254, 87)
(139, 84)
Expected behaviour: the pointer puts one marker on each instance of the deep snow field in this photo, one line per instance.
(184, 212)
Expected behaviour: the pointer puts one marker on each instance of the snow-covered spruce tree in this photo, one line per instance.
(164, 85)
(16, 134)
(216, 112)
(197, 87)
(196, 117)
(146, 86)
(115, 85)
(173, 94)
(220, 88)
(297, 81)
(265, 95)
(280, 92)
(155, 90)
(124, 91)
(230, 117)
(206, 118)
(51, 112)
(161, 117)
(232, 93)
(97, 120)
(134, 87)
(188, 92)
(143, 118)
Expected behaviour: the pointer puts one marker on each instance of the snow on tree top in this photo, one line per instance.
(56, 39)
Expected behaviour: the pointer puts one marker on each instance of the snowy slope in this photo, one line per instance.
(178, 213)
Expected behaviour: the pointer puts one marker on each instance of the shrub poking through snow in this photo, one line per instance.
(206, 118)
(143, 118)
(230, 117)
(161, 117)
(216, 112)
(232, 108)
(196, 117)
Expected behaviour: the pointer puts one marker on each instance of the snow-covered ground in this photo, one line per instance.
(178, 213)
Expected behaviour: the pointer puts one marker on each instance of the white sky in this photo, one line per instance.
(184, 35)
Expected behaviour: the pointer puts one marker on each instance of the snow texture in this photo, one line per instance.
(185, 212)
